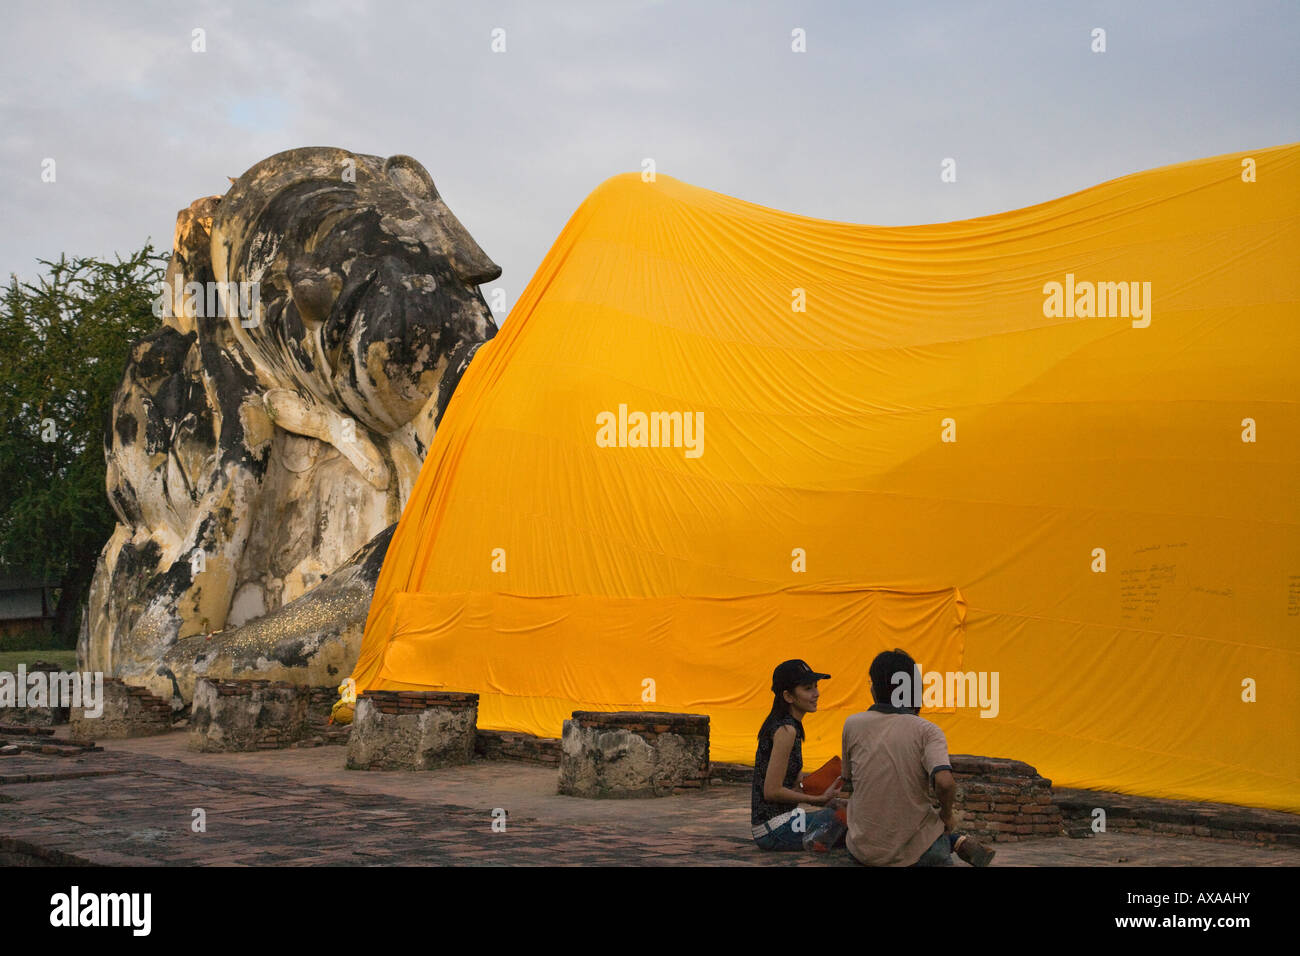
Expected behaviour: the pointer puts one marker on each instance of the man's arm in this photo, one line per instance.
(936, 762)
(845, 762)
(945, 788)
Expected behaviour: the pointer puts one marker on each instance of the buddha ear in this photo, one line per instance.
(411, 177)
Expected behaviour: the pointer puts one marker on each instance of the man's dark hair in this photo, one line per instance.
(884, 667)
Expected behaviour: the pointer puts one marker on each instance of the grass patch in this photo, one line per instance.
(33, 638)
(9, 660)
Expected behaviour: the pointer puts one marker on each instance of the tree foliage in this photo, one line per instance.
(64, 343)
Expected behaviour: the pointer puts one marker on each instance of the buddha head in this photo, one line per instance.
(366, 285)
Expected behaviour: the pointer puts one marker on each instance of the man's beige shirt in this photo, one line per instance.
(889, 758)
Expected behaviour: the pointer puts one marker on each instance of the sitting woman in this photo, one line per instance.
(778, 821)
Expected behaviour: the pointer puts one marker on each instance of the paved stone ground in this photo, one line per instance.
(133, 802)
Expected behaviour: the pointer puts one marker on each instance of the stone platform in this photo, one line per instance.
(133, 804)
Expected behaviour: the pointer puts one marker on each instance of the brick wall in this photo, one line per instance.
(320, 732)
(503, 745)
(1126, 813)
(413, 701)
(1003, 800)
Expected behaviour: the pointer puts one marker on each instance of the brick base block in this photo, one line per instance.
(127, 711)
(35, 716)
(1003, 800)
(633, 754)
(412, 730)
(240, 715)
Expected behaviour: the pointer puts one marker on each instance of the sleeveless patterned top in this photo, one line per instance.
(763, 810)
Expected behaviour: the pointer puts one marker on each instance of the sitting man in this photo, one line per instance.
(892, 756)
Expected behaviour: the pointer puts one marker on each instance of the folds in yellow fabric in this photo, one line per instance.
(535, 660)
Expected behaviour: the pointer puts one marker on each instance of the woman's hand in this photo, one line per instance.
(831, 793)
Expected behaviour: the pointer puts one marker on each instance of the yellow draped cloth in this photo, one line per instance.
(1059, 445)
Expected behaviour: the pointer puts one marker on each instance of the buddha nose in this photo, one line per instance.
(474, 267)
(469, 261)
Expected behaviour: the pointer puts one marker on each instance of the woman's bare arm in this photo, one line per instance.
(773, 790)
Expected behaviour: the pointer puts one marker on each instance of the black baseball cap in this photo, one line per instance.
(791, 674)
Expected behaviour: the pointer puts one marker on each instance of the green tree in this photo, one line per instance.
(65, 340)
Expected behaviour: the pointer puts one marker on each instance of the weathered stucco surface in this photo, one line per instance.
(423, 740)
(615, 762)
(257, 463)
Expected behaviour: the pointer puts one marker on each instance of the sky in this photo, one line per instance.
(855, 129)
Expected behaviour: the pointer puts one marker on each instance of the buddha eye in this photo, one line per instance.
(314, 292)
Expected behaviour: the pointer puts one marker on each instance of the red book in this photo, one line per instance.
(821, 779)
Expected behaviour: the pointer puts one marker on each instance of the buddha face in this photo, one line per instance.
(368, 284)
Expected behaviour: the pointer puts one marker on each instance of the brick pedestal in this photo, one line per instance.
(1003, 800)
(234, 715)
(412, 730)
(128, 711)
(633, 754)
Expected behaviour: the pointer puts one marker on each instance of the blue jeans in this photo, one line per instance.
(785, 837)
(940, 851)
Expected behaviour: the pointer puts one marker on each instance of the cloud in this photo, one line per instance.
(852, 130)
